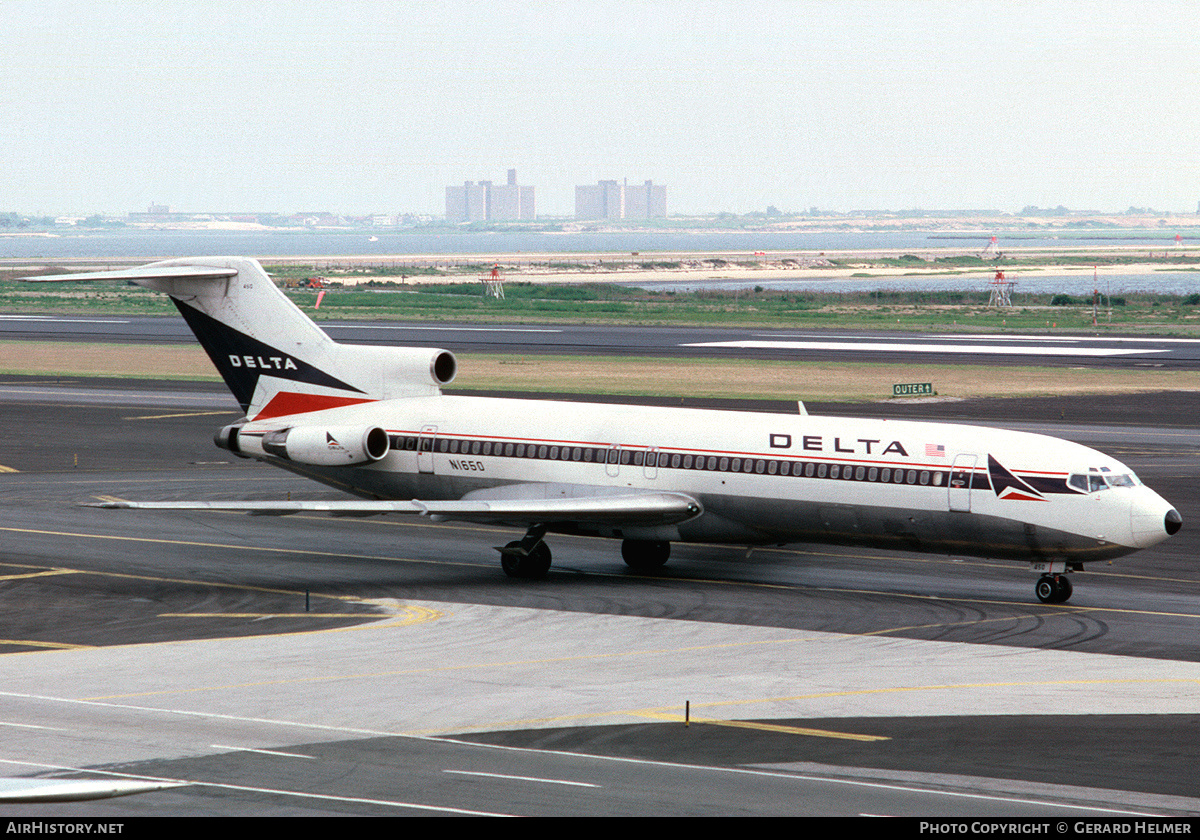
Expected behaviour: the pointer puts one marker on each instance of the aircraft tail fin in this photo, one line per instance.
(274, 359)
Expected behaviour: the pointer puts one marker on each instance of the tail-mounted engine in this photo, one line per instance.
(318, 446)
(391, 372)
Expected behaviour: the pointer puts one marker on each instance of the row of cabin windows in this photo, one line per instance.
(671, 460)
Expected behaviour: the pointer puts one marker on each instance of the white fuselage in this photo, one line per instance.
(763, 478)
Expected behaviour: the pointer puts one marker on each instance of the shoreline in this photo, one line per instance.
(814, 274)
(536, 274)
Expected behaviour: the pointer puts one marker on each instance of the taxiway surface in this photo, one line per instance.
(309, 665)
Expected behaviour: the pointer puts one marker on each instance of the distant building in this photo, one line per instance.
(605, 200)
(646, 201)
(488, 202)
(154, 213)
(610, 200)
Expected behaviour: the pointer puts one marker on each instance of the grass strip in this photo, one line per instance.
(639, 375)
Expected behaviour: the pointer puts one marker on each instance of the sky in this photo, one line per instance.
(376, 107)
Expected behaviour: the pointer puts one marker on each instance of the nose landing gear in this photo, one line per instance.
(1053, 589)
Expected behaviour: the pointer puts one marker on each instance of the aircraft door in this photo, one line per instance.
(613, 463)
(425, 443)
(650, 467)
(959, 487)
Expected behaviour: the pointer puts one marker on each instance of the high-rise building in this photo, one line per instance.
(610, 200)
(488, 202)
(645, 201)
(605, 200)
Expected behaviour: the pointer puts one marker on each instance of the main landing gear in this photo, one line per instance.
(1053, 589)
(645, 555)
(529, 557)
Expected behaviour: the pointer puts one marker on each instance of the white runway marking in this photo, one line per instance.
(443, 329)
(913, 347)
(1113, 338)
(264, 752)
(521, 778)
(31, 726)
(1068, 339)
(58, 320)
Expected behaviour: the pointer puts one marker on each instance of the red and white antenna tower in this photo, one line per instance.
(493, 286)
(1001, 290)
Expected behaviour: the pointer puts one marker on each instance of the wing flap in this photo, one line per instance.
(624, 509)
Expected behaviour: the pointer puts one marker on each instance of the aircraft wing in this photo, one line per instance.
(638, 508)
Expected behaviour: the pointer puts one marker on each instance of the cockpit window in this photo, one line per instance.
(1094, 482)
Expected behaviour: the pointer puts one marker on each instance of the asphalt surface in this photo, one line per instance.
(307, 665)
(846, 345)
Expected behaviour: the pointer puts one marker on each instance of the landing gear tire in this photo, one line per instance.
(645, 555)
(531, 565)
(1053, 589)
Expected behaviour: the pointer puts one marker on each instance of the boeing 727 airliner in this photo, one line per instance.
(373, 421)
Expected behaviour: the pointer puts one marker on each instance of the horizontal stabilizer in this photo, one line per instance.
(145, 272)
(26, 790)
(627, 509)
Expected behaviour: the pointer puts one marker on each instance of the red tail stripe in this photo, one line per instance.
(289, 402)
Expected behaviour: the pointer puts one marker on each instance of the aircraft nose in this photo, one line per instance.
(1152, 519)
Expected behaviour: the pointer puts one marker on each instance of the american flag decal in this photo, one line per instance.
(935, 450)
